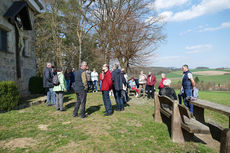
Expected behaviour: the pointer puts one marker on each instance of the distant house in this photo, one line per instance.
(17, 57)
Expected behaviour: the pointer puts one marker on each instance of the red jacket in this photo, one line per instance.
(107, 81)
(152, 81)
(161, 83)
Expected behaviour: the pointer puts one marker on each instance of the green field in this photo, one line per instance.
(176, 76)
(46, 130)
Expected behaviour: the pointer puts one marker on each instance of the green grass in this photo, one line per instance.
(215, 78)
(220, 98)
(133, 130)
(176, 76)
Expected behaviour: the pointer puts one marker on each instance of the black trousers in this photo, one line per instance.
(151, 91)
(81, 100)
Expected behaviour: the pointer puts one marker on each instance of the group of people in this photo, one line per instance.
(115, 81)
(146, 84)
(92, 80)
(56, 89)
(188, 90)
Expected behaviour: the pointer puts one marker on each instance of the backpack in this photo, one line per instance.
(55, 80)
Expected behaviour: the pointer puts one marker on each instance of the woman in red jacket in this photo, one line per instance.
(106, 86)
(162, 80)
(151, 80)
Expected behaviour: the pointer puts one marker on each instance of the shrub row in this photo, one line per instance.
(9, 95)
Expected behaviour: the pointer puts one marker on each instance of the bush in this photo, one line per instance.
(36, 85)
(9, 95)
(197, 80)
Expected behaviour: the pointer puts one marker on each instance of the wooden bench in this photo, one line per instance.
(218, 132)
(131, 92)
(177, 117)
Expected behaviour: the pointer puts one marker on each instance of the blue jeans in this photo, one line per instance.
(50, 97)
(119, 100)
(68, 85)
(107, 102)
(180, 97)
(100, 84)
(89, 83)
(124, 96)
(188, 93)
(94, 85)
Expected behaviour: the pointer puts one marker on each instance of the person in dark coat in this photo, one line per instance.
(48, 84)
(167, 91)
(118, 87)
(80, 87)
(72, 77)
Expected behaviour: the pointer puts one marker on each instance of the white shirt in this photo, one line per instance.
(94, 76)
(189, 76)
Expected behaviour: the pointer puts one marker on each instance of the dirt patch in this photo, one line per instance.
(65, 123)
(211, 72)
(18, 143)
(43, 127)
(70, 147)
(134, 123)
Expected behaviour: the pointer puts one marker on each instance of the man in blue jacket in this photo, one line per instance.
(188, 84)
(48, 84)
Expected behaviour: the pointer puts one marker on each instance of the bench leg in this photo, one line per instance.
(229, 122)
(198, 113)
(225, 141)
(157, 114)
(176, 130)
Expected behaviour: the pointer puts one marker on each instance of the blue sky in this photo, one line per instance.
(198, 33)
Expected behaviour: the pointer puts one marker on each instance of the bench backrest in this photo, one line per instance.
(184, 111)
(165, 100)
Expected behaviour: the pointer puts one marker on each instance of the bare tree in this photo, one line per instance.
(124, 31)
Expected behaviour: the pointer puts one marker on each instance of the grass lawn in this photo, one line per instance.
(176, 76)
(43, 129)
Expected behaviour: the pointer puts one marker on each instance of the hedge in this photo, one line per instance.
(36, 85)
(9, 95)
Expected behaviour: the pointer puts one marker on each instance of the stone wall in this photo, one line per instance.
(8, 59)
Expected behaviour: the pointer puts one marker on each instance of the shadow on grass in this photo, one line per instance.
(67, 99)
(69, 105)
(167, 122)
(93, 109)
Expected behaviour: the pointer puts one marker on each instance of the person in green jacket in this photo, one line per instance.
(60, 89)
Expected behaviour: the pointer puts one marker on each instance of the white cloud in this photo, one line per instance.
(166, 15)
(170, 57)
(187, 31)
(222, 26)
(198, 48)
(205, 7)
(165, 4)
